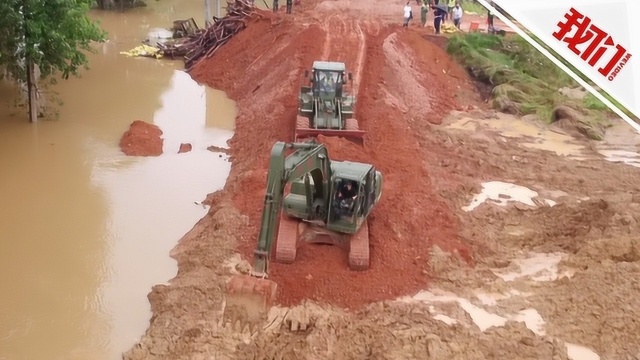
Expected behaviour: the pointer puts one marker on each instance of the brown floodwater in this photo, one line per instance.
(85, 232)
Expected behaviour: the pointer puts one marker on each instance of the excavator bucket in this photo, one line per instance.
(248, 301)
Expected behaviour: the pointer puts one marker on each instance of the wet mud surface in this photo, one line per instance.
(533, 277)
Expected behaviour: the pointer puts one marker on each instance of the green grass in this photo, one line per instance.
(524, 81)
(475, 7)
(590, 101)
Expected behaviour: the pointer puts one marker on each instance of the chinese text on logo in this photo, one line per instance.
(598, 41)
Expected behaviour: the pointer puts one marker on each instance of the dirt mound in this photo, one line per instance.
(184, 148)
(142, 139)
(447, 85)
(577, 123)
(376, 334)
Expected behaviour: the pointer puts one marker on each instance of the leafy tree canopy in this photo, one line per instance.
(54, 34)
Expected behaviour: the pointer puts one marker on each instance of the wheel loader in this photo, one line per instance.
(305, 201)
(326, 106)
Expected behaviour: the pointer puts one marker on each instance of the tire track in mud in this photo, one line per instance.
(392, 142)
(359, 59)
(341, 37)
(326, 26)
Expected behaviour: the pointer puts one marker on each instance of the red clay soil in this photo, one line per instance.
(261, 68)
(142, 139)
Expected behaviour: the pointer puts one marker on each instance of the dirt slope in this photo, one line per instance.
(421, 238)
(381, 61)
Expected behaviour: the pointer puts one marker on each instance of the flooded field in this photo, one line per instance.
(85, 231)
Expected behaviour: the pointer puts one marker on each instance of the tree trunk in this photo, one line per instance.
(32, 91)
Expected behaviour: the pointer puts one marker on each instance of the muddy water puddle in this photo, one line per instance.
(621, 143)
(534, 136)
(85, 231)
(508, 301)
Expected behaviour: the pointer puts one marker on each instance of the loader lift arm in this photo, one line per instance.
(282, 170)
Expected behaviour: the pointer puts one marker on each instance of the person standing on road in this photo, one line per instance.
(408, 15)
(424, 9)
(457, 15)
(438, 16)
(275, 6)
(450, 5)
(490, 28)
(289, 6)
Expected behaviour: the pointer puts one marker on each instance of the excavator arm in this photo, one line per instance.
(282, 170)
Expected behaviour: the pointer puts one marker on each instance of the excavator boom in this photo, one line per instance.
(250, 297)
(307, 157)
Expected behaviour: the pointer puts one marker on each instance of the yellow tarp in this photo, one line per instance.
(448, 28)
(143, 50)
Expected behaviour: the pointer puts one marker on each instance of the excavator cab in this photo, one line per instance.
(356, 189)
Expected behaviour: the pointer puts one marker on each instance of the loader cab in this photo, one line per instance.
(327, 79)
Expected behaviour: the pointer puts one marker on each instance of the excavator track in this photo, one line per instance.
(287, 239)
(359, 249)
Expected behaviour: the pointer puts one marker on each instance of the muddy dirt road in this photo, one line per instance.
(543, 268)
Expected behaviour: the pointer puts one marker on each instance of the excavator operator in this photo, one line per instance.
(327, 83)
(345, 199)
(347, 191)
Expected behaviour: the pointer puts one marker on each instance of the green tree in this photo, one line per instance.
(53, 35)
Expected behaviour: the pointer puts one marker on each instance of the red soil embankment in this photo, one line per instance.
(405, 83)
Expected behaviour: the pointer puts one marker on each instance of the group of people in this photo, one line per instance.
(453, 13)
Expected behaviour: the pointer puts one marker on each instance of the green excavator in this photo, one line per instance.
(326, 106)
(330, 199)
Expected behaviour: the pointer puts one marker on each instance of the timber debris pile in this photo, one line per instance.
(205, 42)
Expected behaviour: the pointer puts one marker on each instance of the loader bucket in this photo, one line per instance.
(355, 135)
(248, 301)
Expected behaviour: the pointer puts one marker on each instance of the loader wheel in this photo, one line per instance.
(352, 125)
(302, 122)
(359, 249)
(287, 240)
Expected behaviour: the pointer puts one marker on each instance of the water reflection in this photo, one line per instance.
(187, 118)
